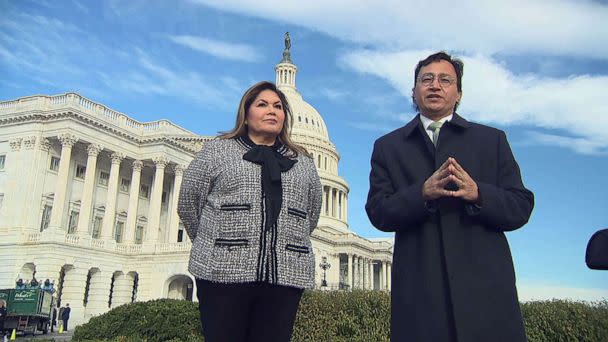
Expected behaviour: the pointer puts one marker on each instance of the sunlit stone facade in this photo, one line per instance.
(88, 199)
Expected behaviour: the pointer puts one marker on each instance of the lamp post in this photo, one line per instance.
(324, 266)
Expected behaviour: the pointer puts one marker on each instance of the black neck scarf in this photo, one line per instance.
(273, 163)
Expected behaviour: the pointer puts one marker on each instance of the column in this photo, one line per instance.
(11, 192)
(327, 206)
(73, 292)
(99, 293)
(345, 207)
(363, 274)
(27, 179)
(110, 212)
(333, 203)
(390, 276)
(358, 272)
(35, 185)
(84, 218)
(350, 271)
(67, 142)
(133, 202)
(155, 199)
(370, 271)
(174, 223)
(366, 271)
(340, 204)
(382, 275)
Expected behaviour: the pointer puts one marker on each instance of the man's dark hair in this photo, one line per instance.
(436, 57)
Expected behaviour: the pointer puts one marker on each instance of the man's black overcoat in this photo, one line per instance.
(453, 276)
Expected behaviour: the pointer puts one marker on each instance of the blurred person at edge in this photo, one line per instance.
(249, 201)
(449, 189)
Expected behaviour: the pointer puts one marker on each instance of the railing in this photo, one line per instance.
(173, 247)
(128, 249)
(98, 244)
(72, 239)
(60, 237)
(86, 106)
(33, 237)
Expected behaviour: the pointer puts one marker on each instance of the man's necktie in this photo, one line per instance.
(435, 127)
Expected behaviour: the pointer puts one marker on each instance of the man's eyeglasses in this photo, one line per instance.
(444, 80)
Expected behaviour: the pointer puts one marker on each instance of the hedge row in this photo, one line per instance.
(357, 316)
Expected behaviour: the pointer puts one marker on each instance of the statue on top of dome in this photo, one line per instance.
(287, 41)
(286, 53)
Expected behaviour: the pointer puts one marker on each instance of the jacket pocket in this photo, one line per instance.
(297, 249)
(297, 212)
(235, 206)
(222, 242)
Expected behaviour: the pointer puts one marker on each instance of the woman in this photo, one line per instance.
(249, 201)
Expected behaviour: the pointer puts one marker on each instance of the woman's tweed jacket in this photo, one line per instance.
(222, 208)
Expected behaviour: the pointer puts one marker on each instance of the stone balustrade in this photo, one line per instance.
(88, 107)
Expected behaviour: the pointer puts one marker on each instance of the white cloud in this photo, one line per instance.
(553, 27)
(217, 48)
(333, 94)
(154, 78)
(492, 94)
(580, 145)
(399, 33)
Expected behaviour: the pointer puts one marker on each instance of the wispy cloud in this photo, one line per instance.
(371, 126)
(152, 77)
(528, 26)
(580, 145)
(334, 94)
(493, 94)
(219, 49)
(50, 52)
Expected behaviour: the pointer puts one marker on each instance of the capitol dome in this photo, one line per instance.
(310, 131)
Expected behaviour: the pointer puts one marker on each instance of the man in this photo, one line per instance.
(3, 314)
(449, 193)
(65, 316)
(53, 319)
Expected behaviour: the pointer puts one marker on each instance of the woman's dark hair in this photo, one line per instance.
(240, 127)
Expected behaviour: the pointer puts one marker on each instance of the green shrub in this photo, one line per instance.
(335, 316)
(562, 320)
(156, 320)
(357, 316)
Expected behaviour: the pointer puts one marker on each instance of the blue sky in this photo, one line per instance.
(536, 69)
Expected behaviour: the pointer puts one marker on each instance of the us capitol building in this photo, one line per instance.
(88, 199)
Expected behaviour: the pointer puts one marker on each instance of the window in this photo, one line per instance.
(144, 191)
(104, 177)
(46, 217)
(118, 231)
(54, 164)
(2, 160)
(73, 222)
(125, 185)
(1, 200)
(139, 234)
(163, 198)
(97, 221)
(80, 171)
(180, 235)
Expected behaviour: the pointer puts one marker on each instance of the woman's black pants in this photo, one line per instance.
(247, 312)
